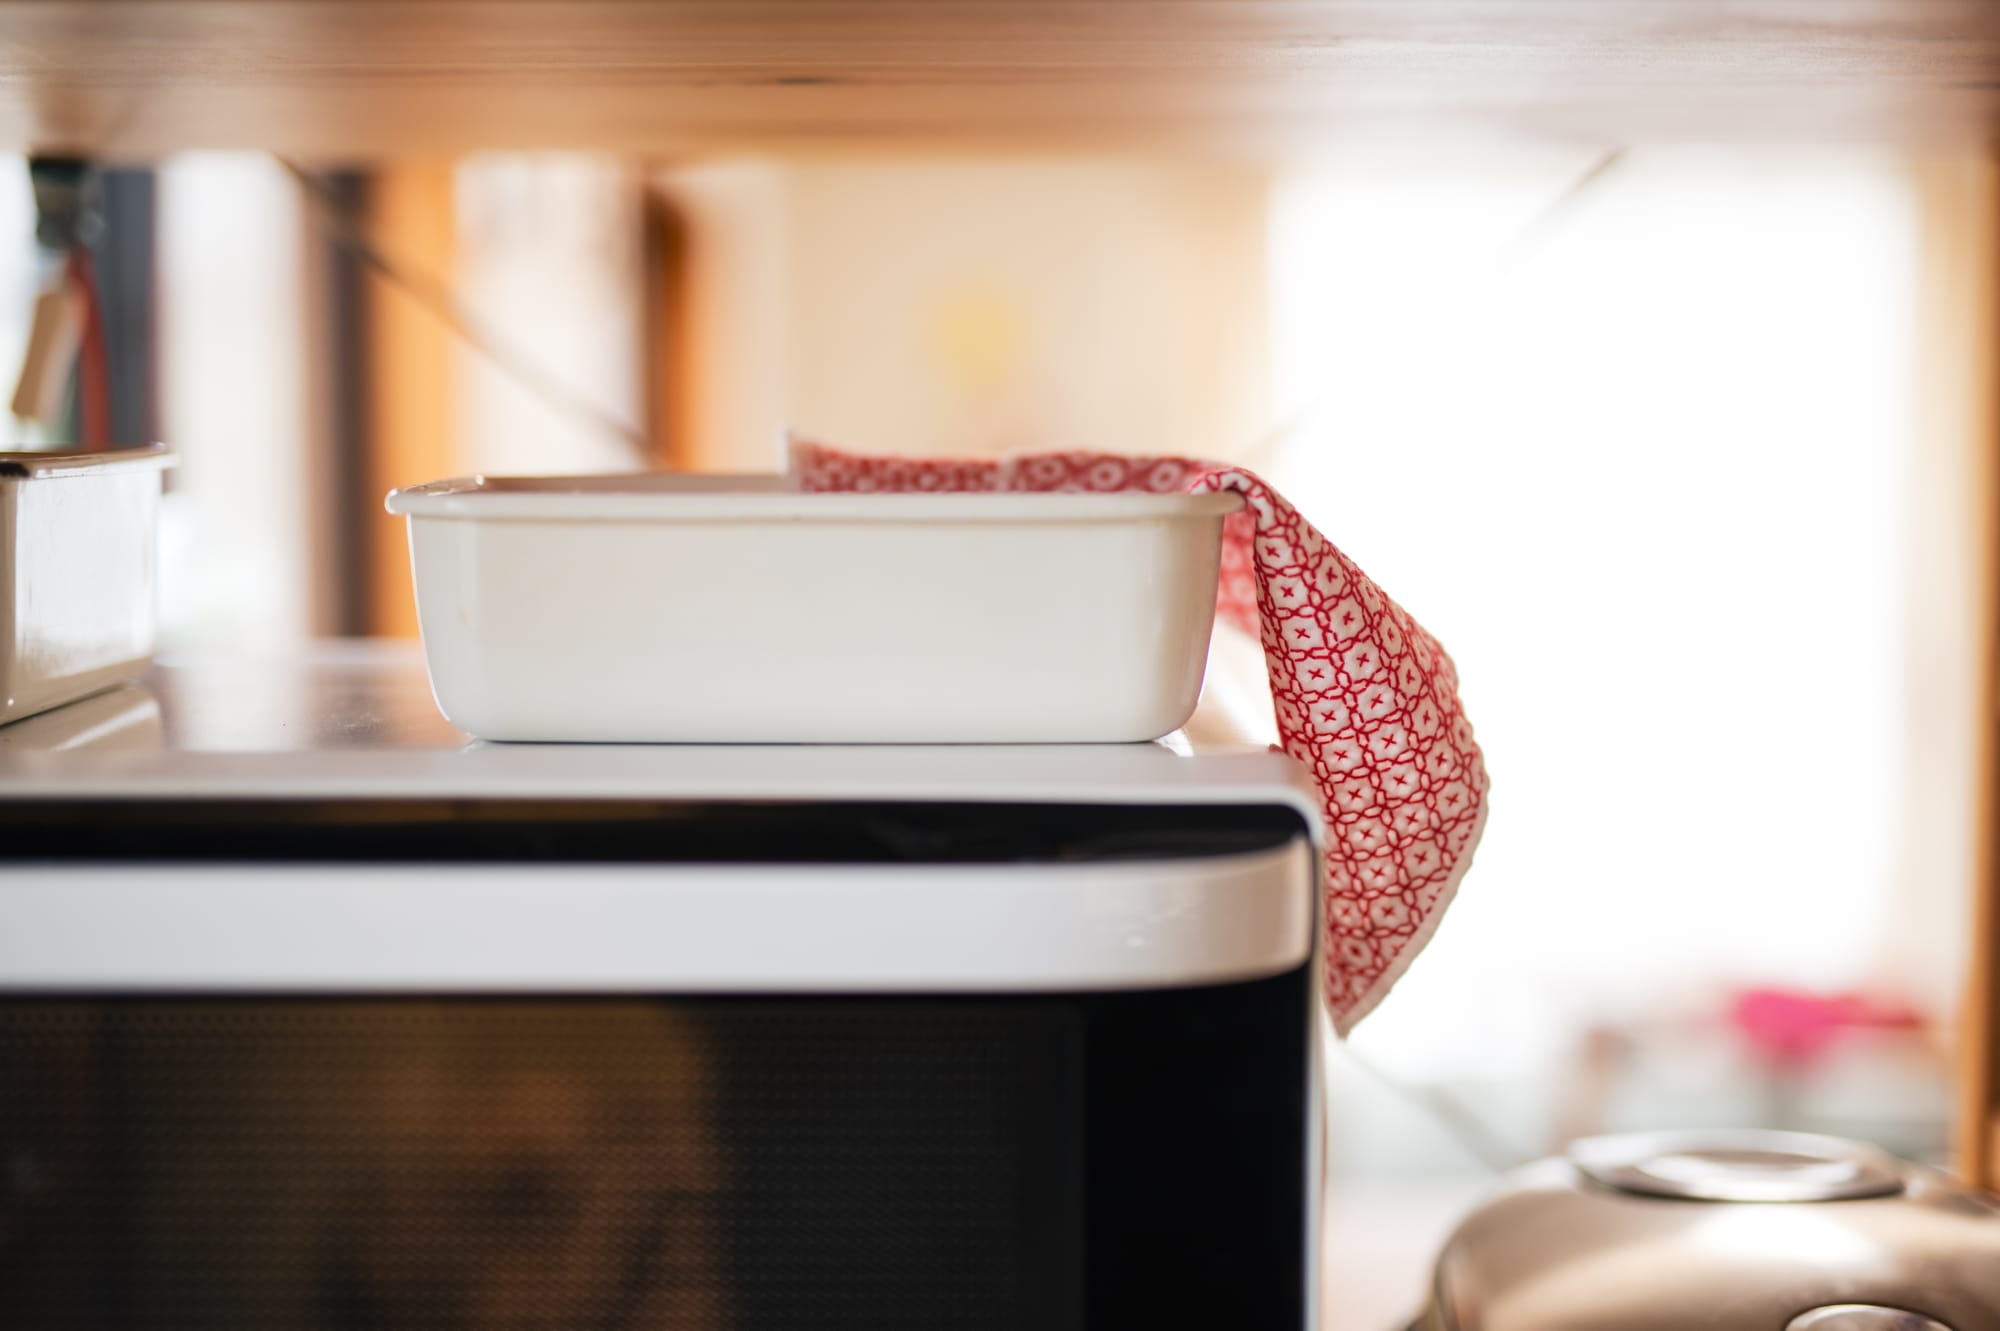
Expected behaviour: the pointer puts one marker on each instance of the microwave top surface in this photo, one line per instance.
(356, 721)
(313, 826)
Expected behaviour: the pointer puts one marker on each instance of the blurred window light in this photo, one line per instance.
(1640, 463)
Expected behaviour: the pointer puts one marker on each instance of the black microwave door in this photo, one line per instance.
(1054, 1162)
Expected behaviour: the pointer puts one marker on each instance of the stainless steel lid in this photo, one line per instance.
(1863, 1317)
(1718, 1231)
(1739, 1166)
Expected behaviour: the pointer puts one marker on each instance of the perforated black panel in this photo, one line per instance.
(1088, 1162)
(505, 1166)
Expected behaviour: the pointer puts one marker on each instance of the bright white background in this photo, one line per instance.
(1638, 462)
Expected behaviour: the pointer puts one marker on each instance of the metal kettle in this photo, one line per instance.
(1729, 1231)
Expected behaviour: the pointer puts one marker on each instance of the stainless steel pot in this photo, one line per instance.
(1737, 1231)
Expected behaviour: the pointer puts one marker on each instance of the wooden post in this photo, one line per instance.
(410, 374)
(1979, 1105)
(668, 330)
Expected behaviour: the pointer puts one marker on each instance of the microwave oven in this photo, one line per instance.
(315, 1016)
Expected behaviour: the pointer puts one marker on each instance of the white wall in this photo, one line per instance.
(236, 543)
(964, 306)
(549, 258)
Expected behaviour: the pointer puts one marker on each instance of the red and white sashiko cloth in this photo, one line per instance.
(1364, 696)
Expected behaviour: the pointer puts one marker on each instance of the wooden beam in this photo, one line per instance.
(341, 80)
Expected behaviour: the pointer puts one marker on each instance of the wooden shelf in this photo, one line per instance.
(361, 79)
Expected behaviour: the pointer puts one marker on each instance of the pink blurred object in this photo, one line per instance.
(1793, 1027)
(1364, 696)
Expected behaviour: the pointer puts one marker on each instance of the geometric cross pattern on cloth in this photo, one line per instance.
(1364, 697)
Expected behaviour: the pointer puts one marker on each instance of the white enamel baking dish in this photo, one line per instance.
(727, 609)
(79, 538)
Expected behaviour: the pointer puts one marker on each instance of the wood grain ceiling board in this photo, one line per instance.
(352, 79)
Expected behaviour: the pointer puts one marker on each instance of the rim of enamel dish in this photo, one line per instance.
(683, 497)
(51, 466)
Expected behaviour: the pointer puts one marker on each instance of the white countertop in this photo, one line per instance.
(355, 719)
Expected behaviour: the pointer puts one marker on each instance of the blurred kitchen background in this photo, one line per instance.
(1677, 450)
